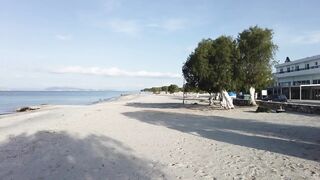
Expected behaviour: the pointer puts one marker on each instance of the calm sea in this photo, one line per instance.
(11, 100)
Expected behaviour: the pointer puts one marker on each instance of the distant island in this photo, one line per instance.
(74, 89)
(67, 89)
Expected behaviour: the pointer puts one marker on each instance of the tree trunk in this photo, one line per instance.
(226, 100)
(252, 96)
(223, 101)
(210, 100)
(217, 96)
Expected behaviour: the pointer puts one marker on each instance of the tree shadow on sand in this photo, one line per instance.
(298, 141)
(58, 155)
(202, 107)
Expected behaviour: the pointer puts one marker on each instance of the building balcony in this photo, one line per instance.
(300, 72)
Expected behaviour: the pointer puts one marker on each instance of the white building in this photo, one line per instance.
(299, 79)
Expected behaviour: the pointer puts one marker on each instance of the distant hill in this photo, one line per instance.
(4, 89)
(66, 89)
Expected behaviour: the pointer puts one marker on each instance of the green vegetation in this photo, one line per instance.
(226, 64)
(256, 59)
(164, 89)
(156, 90)
(209, 67)
(173, 88)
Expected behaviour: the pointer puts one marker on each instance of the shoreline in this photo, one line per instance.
(41, 106)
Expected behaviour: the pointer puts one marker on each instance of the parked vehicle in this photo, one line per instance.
(276, 98)
(243, 96)
(233, 95)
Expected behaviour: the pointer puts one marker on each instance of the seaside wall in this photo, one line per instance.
(293, 107)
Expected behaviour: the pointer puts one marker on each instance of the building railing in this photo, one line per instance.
(300, 69)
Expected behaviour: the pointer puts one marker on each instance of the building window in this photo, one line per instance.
(288, 69)
(317, 81)
(281, 70)
(306, 66)
(297, 68)
(285, 84)
(301, 82)
(316, 63)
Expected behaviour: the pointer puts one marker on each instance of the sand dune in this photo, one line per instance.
(156, 137)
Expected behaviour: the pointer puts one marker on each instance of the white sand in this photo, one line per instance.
(155, 137)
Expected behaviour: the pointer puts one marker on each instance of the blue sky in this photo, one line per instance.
(126, 45)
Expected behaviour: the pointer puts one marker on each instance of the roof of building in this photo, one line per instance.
(298, 61)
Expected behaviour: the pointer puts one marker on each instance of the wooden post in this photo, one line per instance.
(183, 91)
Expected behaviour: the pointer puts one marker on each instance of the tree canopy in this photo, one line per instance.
(196, 69)
(210, 66)
(257, 51)
(231, 64)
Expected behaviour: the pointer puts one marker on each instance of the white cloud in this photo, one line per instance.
(134, 27)
(308, 38)
(172, 24)
(63, 37)
(113, 72)
(130, 27)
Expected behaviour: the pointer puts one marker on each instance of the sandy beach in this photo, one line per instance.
(156, 137)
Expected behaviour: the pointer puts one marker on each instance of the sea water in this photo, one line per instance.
(11, 100)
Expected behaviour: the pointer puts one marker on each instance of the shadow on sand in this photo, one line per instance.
(202, 107)
(58, 155)
(298, 141)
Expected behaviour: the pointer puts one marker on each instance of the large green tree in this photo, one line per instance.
(257, 52)
(196, 69)
(221, 59)
(226, 64)
(210, 67)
